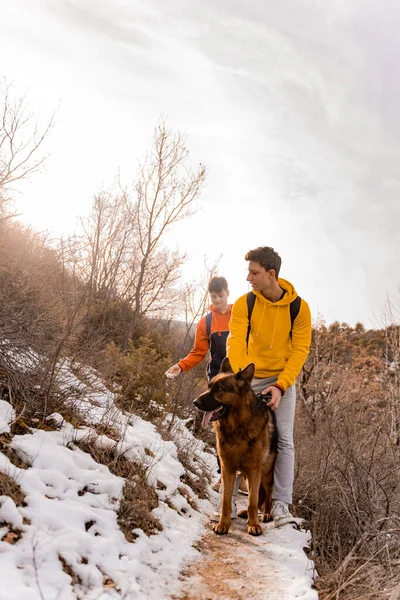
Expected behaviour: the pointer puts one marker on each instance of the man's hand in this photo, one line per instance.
(173, 371)
(276, 395)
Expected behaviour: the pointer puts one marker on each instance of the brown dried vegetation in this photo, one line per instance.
(138, 497)
(348, 461)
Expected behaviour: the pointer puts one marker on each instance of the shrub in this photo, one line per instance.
(347, 483)
(139, 375)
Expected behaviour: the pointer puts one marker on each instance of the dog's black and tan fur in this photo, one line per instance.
(246, 442)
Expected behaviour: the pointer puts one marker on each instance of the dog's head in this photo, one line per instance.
(225, 391)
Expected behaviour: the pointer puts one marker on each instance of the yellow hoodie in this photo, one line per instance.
(270, 346)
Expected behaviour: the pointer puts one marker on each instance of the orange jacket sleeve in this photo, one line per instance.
(199, 350)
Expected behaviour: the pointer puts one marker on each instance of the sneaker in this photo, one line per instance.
(217, 514)
(281, 513)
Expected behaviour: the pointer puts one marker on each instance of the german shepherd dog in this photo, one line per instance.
(245, 430)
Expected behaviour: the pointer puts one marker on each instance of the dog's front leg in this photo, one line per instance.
(253, 523)
(228, 482)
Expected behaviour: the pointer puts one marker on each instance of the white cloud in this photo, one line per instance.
(291, 107)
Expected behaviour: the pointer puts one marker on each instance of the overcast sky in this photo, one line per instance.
(293, 105)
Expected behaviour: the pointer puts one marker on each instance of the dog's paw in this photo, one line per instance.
(221, 528)
(243, 514)
(254, 529)
(266, 518)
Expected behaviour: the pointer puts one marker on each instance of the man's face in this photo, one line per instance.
(220, 300)
(260, 279)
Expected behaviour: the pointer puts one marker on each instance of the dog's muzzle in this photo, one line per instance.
(212, 409)
(206, 402)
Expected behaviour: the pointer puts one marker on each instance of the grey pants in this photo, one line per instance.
(284, 465)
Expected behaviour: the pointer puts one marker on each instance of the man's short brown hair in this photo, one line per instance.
(266, 257)
(217, 284)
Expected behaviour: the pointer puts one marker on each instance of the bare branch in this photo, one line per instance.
(165, 193)
(21, 139)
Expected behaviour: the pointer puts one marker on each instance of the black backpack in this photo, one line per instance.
(294, 311)
(217, 347)
(208, 324)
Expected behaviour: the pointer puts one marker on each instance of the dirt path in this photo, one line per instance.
(238, 566)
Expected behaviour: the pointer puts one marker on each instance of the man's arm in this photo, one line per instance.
(199, 350)
(301, 340)
(236, 349)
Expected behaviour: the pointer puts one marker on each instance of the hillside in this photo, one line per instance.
(75, 519)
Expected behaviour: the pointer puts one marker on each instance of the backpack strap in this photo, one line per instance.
(294, 311)
(250, 299)
(208, 324)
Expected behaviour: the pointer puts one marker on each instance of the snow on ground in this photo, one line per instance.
(69, 544)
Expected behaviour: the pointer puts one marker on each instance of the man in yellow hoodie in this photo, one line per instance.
(277, 339)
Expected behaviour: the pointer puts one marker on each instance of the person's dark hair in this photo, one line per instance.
(217, 284)
(266, 257)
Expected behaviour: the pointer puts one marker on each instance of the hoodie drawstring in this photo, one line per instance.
(261, 320)
(275, 324)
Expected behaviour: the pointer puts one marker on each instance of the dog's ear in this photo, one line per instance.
(226, 366)
(246, 375)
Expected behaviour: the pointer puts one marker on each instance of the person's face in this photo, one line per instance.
(260, 279)
(220, 300)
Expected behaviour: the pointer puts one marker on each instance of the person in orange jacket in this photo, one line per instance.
(211, 333)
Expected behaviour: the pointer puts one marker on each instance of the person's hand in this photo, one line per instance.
(173, 371)
(276, 395)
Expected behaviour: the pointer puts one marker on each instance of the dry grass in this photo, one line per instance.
(190, 500)
(5, 448)
(198, 481)
(75, 579)
(347, 488)
(8, 487)
(197, 475)
(137, 502)
(138, 497)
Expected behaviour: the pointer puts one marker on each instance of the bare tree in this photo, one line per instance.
(106, 246)
(120, 254)
(21, 138)
(165, 193)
